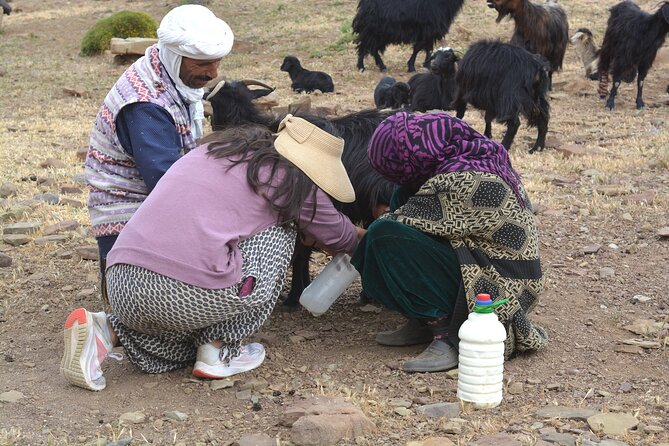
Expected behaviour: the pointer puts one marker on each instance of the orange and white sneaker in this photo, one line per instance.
(209, 364)
(87, 344)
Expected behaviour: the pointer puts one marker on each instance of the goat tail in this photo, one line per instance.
(603, 87)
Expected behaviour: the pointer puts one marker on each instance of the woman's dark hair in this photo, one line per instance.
(254, 144)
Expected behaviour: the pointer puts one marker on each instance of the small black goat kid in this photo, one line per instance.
(505, 81)
(232, 104)
(630, 45)
(540, 28)
(304, 80)
(391, 94)
(586, 47)
(435, 90)
(379, 23)
(6, 7)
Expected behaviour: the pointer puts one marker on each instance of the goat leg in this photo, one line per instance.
(460, 107)
(641, 76)
(301, 278)
(611, 102)
(428, 56)
(488, 124)
(411, 64)
(361, 61)
(379, 61)
(542, 129)
(512, 126)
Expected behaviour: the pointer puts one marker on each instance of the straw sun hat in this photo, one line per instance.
(316, 153)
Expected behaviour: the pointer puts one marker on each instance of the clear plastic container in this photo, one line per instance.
(481, 356)
(329, 285)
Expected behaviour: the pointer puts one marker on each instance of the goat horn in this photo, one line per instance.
(248, 82)
(215, 90)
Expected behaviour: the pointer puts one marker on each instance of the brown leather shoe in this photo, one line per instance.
(439, 356)
(411, 333)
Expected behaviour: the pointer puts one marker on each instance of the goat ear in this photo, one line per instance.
(665, 12)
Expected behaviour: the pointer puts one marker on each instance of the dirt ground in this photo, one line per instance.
(601, 214)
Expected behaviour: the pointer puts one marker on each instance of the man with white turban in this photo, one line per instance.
(151, 117)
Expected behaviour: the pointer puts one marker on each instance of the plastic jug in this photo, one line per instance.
(481, 355)
(328, 285)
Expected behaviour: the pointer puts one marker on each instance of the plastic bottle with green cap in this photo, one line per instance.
(481, 355)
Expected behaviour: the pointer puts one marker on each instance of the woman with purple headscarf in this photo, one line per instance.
(460, 224)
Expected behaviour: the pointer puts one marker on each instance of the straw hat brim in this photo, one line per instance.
(316, 153)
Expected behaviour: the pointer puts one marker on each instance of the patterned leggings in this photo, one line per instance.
(161, 321)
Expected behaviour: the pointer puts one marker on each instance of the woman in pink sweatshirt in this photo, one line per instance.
(199, 266)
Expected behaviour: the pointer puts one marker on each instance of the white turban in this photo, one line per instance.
(192, 31)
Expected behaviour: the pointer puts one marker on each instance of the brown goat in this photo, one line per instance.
(540, 28)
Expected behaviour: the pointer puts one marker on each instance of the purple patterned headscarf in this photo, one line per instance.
(410, 149)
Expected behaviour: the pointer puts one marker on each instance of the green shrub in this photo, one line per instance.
(123, 24)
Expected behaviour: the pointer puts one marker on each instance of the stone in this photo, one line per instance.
(663, 232)
(606, 271)
(221, 384)
(56, 238)
(633, 349)
(61, 226)
(11, 396)
(22, 227)
(77, 92)
(256, 384)
(643, 343)
(560, 439)
(16, 239)
(646, 197)
(612, 423)
(646, 327)
(500, 439)
(592, 249)
(82, 152)
(47, 198)
(5, 260)
(52, 162)
(72, 190)
(130, 45)
(440, 410)
(71, 202)
(175, 415)
(8, 190)
(571, 150)
(641, 298)
(436, 441)
(396, 402)
(564, 412)
(402, 411)
(87, 252)
(325, 420)
(516, 388)
(132, 418)
(255, 440)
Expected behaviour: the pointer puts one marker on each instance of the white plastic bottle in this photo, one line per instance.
(328, 285)
(481, 355)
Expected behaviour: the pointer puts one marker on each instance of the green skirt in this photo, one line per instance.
(407, 270)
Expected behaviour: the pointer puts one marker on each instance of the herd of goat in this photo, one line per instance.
(504, 80)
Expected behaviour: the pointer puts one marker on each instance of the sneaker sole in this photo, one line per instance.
(204, 370)
(76, 334)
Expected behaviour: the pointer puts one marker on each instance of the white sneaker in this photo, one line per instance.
(87, 344)
(208, 364)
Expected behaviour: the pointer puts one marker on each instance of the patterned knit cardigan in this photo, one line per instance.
(116, 187)
(495, 240)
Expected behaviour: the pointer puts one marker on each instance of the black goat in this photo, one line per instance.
(630, 45)
(6, 8)
(391, 94)
(379, 23)
(232, 105)
(505, 81)
(540, 28)
(585, 44)
(435, 90)
(304, 80)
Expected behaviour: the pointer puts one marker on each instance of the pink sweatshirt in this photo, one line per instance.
(190, 226)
